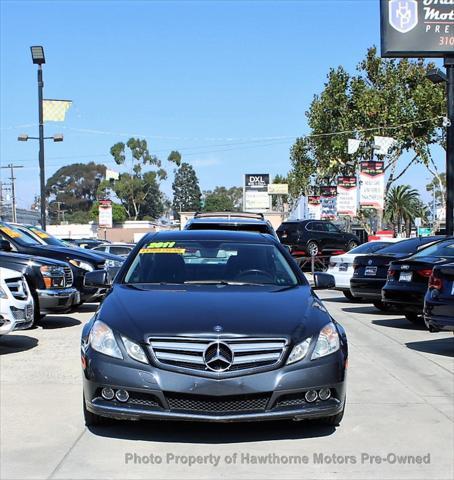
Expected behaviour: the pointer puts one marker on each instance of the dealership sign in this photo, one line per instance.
(328, 200)
(372, 180)
(256, 196)
(105, 214)
(313, 207)
(347, 194)
(417, 28)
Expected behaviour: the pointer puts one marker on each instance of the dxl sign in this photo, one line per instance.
(256, 198)
(417, 28)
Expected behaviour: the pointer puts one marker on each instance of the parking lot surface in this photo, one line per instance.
(399, 421)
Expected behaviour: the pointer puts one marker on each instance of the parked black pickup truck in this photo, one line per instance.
(81, 261)
(50, 282)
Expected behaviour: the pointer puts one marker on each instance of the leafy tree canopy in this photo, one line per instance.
(223, 199)
(186, 191)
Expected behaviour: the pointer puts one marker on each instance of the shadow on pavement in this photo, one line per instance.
(16, 343)
(87, 308)
(369, 310)
(402, 323)
(439, 346)
(49, 322)
(188, 432)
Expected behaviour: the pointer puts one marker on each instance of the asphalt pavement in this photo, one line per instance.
(399, 421)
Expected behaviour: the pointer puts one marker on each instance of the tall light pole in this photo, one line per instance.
(437, 76)
(39, 59)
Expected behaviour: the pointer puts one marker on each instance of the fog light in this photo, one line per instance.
(107, 393)
(324, 394)
(122, 395)
(311, 396)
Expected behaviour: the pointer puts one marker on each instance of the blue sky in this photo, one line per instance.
(226, 83)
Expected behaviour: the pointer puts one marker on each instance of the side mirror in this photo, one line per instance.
(323, 281)
(97, 278)
(5, 246)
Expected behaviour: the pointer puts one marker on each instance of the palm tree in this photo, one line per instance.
(402, 206)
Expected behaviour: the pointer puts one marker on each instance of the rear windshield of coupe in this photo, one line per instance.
(407, 246)
(440, 250)
(210, 261)
(369, 247)
(248, 227)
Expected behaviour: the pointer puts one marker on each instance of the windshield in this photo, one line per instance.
(10, 232)
(205, 262)
(441, 249)
(48, 239)
(369, 247)
(407, 246)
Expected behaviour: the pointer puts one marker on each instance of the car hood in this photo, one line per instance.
(186, 310)
(77, 253)
(25, 258)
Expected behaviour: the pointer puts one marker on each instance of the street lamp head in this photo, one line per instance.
(58, 137)
(38, 55)
(435, 75)
(23, 137)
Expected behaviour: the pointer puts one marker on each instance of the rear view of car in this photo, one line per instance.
(341, 266)
(439, 299)
(16, 302)
(408, 279)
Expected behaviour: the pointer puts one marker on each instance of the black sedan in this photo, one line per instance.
(439, 300)
(217, 326)
(370, 271)
(407, 280)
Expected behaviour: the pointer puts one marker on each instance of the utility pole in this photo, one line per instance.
(13, 190)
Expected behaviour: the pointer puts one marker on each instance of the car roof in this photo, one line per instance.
(229, 221)
(305, 221)
(227, 235)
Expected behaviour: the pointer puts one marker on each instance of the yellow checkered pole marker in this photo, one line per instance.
(55, 110)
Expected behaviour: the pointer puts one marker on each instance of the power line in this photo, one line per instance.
(13, 189)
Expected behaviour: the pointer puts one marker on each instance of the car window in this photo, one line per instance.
(248, 227)
(318, 227)
(119, 250)
(101, 248)
(407, 246)
(441, 250)
(331, 228)
(287, 227)
(370, 247)
(210, 261)
(9, 232)
(47, 238)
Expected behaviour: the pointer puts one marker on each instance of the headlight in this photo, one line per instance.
(103, 340)
(327, 342)
(53, 276)
(83, 265)
(134, 350)
(299, 351)
(3, 293)
(113, 263)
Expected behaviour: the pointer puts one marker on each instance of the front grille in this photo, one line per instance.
(242, 354)
(222, 405)
(290, 400)
(143, 400)
(20, 314)
(68, 276)
(17, 287)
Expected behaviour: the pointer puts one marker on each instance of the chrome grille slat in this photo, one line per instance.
(68, 276)
(188, 353)
(17, 288)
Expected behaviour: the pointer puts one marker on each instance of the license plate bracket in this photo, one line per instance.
(405, 276)
(343, 267)
(370, 271)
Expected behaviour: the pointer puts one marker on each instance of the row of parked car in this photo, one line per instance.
(414, 277)
(41, 274)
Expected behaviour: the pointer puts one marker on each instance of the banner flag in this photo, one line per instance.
(372, 178)
(55, 110)
(353, 145)
(383, 144)
(313, 207)
(347, 194)
(328, 201)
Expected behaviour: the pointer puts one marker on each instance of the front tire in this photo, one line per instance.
(312, 248)
(415, 318)
(348, 294)
(91, 419)
(334, 420)
(351, 245)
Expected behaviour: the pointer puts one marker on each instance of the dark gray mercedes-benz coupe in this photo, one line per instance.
(215, 326)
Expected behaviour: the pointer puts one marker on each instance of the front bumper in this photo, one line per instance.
(57, 300)
(162, 394)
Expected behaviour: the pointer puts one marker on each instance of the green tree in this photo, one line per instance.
(72, 188)
(403, 205)
(223, 199)
(437, 187)
(383, 93)
(138, 191)
(186, 191)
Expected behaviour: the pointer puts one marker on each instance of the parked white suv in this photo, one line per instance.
(16, 302)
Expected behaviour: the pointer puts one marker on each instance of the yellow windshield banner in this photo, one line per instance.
(39, 233)
(11, 233)
(179, 251)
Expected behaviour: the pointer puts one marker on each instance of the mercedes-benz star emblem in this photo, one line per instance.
(218, 357)
(218, 328)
